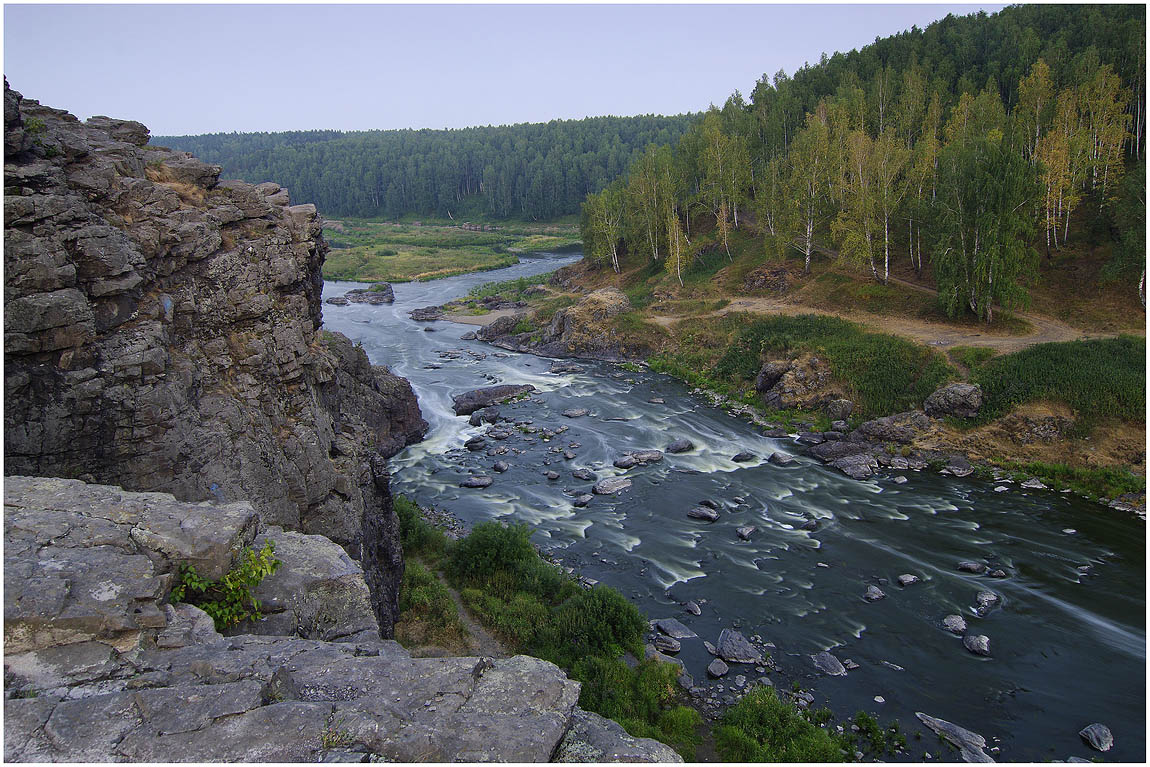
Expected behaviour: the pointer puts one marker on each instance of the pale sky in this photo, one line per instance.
(206, 68)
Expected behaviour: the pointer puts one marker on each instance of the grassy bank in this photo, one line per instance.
(882, 374)
(1097, 379)
(368, 251)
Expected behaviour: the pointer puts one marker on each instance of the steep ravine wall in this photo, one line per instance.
(161, 333)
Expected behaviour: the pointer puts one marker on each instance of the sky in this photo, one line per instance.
(188, 69)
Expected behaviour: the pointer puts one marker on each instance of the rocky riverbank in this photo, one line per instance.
(805, 383)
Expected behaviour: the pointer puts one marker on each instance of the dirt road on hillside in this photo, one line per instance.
(938, 334)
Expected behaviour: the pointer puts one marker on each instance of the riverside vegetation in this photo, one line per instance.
(535, 608)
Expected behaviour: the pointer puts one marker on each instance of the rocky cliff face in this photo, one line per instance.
(162, 333)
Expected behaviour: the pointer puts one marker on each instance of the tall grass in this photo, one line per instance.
(1098, 379)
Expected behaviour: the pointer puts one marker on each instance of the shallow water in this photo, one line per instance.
(1068, 648)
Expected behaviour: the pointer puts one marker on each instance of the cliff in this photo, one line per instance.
(161, 333)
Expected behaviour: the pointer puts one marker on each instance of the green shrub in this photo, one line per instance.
(490, 549)
(525, 325)
(598, 622)
(229, 600)
(417, 536)
(1099, 379)
(762, 728)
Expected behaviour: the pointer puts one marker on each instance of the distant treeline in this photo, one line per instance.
(528, 171)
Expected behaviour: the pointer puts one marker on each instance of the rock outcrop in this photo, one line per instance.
(162, 333)
(958, 399)
(583, 330)
(100, 667)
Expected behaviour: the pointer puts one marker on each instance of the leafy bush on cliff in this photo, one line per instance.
(230, 599)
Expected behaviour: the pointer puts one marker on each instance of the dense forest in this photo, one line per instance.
(958, 147)
(528, 171)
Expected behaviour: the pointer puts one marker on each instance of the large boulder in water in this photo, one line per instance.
(733, 647)
(969, 744)
(957, 399)
(611, 485)
(1098, 736)
(477, 399)
(379, 293)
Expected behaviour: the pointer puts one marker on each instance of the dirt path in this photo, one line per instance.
(1044, 329)
(481, 641)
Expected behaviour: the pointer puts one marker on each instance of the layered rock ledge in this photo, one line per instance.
(162, 334)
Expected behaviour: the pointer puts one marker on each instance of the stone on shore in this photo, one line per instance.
(970, 744)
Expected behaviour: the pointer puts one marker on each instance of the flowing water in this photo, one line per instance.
(1067, 637)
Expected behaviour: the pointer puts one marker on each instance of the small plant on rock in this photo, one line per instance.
(229, 600)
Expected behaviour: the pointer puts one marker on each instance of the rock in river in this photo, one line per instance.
(475, 443)
(955, 624)
(828, 664)
(477, 480)
(1098, 736)
(969, 744)
(873, 594)
(646, 456)
(733, 647)
(979, 644)
(674, 629)
(666, 644)
(781, 459)
(717, 668)
(379, 293)
(907, 579)
(625, 462)
(582, 500)
(745, 532)
(584, 474)
(972, 567)
(681, 446)
(611, 485)
(743, 457)
(477, 399)
(858, 466)
(501, 466)
(427, 314)
(702, 512)
(575, 412)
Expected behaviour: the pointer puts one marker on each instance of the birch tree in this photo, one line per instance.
(984, 225)
(807, 182)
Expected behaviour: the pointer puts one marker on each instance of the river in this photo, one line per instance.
(1068, 641)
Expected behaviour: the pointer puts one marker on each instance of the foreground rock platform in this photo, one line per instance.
(99, 667)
